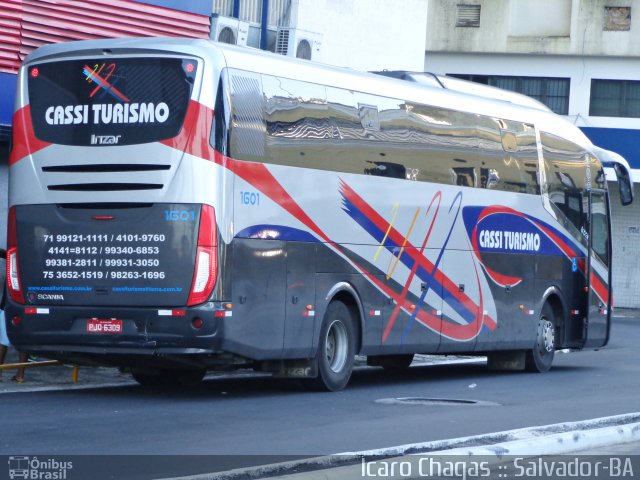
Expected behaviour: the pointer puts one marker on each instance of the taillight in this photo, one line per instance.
(13, 273)
(204, 277)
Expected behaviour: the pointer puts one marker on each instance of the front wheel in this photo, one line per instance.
(540, 357)
(336, 350)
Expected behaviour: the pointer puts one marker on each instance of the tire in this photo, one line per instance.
(336, 350)
(540, 357)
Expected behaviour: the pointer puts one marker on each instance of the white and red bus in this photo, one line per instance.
(178, 206)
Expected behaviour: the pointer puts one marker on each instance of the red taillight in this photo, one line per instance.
(204, 277)
(13, 273)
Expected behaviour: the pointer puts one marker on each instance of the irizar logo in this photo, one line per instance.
(105, 139)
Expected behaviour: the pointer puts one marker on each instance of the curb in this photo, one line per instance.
(555, 439)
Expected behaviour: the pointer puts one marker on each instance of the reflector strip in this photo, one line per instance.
(36, 311)
(171, 313)
(221, 314)
(575, 312)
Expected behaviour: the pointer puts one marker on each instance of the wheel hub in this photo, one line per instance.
(547, 336)
(336, 346)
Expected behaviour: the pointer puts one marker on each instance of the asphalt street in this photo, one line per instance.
(59, 377)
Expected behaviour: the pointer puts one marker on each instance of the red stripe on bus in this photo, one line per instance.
(450, 286)
(600, 288)
(193, 137)
(447, 284)
(437, 197)
(25, 142)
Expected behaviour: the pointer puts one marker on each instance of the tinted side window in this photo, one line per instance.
(569, 171)
(508, 156)
(302, 124)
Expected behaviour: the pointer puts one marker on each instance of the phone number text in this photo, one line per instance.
(97, 275)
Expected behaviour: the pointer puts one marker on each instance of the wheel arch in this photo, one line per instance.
(347, 294)
(555, 298)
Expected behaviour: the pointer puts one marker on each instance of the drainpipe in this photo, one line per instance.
(264, 24)
(236, 8)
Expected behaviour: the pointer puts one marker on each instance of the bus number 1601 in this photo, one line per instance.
(250, 198)
(179, 215)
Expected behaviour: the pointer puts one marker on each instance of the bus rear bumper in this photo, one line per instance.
(136, 357)
(132, 337)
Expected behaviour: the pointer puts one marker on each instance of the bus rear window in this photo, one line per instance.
(110, 102)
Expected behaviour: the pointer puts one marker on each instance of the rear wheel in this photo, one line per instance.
(336, 350)
(540, 357)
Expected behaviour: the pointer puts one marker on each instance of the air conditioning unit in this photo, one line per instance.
(228, 30)
(295, 42)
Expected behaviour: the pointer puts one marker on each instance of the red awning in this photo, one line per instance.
(28, 24)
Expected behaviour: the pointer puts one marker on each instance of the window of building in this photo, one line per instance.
(468, 15)
(617, 19)
(615, 98)
(552, 92)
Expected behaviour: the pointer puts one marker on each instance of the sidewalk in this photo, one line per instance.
(58, 377)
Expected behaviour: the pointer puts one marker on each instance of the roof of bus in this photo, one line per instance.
(258, 61)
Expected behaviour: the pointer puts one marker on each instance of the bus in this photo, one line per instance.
(178, 206)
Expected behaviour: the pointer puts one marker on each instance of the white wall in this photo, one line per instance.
(625, 231)
(525, 19)
(562, 27)
(366, 34)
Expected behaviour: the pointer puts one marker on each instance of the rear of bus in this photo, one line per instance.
(112, 240)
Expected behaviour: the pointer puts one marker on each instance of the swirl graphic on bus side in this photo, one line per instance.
(502, 230)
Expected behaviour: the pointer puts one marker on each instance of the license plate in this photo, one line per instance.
(104, 325)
